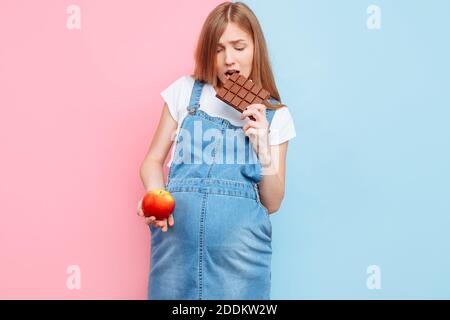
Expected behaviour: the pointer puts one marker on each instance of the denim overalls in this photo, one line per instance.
(220, 245)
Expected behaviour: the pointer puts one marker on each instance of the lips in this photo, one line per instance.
(228, 73)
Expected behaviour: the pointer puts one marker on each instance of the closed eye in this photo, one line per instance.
(221, 48)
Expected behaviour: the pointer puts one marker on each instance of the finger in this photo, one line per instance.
(140, 212)
(157, 223)
(149, 220)
(164, 227)
(257, 125)
(138, 209)
(250, 124)
(171, 220)
(257, 106)
(252, 112)
(251, 132)
(255, 110)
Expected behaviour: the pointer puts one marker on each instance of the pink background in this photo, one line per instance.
(78, 111)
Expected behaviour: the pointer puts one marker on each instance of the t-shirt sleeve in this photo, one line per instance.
(282, 127)
(174, 96)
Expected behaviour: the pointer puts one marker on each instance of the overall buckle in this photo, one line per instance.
(191, 109)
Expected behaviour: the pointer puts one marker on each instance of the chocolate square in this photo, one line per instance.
(241, 80)
(248, 84)
(234, 76)
(227, 85)
(256, 88)
(244, 104)
(264, 94)
(229, 96)
(236, 100)
(242, 93)
(249, 97)
(235, 88)
(222, 92)
(257, 100)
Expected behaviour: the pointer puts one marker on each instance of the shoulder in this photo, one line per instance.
(177, 90)
(283, 112)
(282, 127)
(176, 95)
(282, 116)
(182, 82)
(283, 121)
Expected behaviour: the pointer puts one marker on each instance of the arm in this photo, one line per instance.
(272, 184)
(151, 170)
(272, 158)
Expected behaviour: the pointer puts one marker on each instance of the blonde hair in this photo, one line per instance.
(213, 28)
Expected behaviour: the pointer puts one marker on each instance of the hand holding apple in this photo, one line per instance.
(157, 206)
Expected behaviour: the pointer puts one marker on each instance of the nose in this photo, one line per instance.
(229, 57)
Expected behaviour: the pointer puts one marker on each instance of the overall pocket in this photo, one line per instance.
(262, 207)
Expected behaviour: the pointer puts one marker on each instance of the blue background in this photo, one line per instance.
(368, 173)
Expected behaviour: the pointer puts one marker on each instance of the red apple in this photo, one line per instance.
(158, 203)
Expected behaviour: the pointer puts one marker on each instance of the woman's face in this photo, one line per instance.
(234, 52)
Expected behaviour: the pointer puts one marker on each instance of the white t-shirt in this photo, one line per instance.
(177, 96)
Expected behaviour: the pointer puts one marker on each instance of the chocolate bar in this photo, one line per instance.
(240, 92)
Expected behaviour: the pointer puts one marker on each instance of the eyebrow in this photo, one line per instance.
(232, 42)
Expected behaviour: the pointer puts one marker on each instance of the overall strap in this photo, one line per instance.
(194, 102)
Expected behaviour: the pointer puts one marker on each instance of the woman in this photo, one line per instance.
(217, 242)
